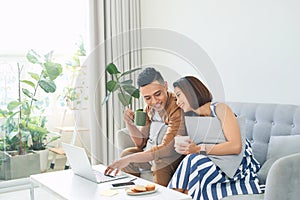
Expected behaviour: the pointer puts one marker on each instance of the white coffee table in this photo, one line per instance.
(65, 185)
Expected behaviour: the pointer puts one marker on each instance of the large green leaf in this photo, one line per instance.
(112, 69)
(13, 104)
(130, 71)
(36, 128)
(11, 119)
(133, 91)
(112, 86)
(48, 56)
(129, 89)
(136, 94)
(35, 76)
(12, 134)
(27, 93)
(125, 99)
(47, 85)
(54, 138)
(53, 69)
(127, 82)
(33, 57)
(26, 108)
(3, 113)
(28, 83)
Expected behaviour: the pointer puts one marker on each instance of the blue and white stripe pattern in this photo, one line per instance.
(204, 180)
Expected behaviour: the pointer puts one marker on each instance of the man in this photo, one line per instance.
(152, 144)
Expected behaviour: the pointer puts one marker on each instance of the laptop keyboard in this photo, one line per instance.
(102, 177)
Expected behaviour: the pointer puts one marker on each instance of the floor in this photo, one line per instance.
(39, 193)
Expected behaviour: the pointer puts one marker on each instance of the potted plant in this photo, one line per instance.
(34, 122)
(15, 154)
(80, 54)
(126, 91)
(25, 126)
(118, 83)
(72, 94)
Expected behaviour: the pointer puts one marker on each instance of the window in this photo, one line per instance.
(41, 25)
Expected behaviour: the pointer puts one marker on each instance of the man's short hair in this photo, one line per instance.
(149, 75)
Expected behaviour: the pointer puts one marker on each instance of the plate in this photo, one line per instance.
(129, 192)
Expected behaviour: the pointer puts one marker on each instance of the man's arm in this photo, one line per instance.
(118, 165)
(138, 137)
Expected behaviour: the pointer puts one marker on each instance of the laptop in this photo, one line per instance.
(207, 130)
(81, 165)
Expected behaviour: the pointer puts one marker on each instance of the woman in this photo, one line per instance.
(206, 175)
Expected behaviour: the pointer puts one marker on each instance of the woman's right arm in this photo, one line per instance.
(231, 130)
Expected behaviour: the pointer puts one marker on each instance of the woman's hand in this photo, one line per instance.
(193, 148)
(117, 166)
(187, 148)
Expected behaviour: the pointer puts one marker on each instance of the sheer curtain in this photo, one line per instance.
(114, 37)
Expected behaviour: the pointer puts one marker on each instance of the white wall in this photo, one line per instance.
(254, 45)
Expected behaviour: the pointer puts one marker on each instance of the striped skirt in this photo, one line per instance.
(204, 180)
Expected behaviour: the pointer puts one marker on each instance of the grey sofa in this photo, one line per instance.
(274, 132)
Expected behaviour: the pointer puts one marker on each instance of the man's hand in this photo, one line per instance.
(129, 117)
(117, 166)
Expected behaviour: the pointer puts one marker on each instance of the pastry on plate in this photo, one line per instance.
(138, 188)
(150, 187)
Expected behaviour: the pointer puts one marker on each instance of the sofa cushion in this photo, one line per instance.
(279, 147)
(264, 120)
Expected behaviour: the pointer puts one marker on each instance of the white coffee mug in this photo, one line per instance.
(182, 140)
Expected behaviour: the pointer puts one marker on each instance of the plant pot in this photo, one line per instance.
(43, 159)
(19, 166)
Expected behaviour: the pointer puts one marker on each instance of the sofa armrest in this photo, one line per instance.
(283, 180)
(123, 140)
